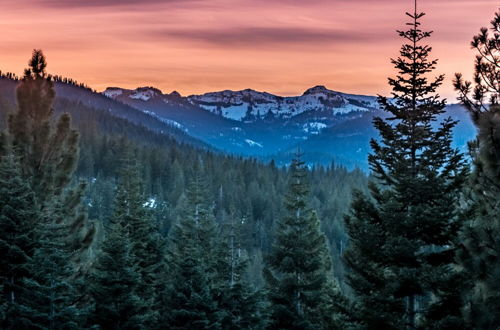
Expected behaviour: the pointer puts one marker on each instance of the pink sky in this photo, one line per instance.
(195, 46)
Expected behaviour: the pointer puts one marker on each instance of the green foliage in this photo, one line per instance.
(148, 247)
(479, 243)
(114, 283)
(41, 280)
(18, 216)
(298, 273)
(50, 296)
(243, 306)
(192, 264)
(48, 153)
(399, 254)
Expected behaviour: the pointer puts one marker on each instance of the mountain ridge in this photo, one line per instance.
(332, 125)
(323, 132)
(249, 105)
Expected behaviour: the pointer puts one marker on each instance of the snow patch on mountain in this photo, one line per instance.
(235, 112)
(145, 93)
(142, 93)
(252, 143)
(314, 127)
(170, 122)
(113, 92)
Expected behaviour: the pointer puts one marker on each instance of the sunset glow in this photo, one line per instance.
(195, 46)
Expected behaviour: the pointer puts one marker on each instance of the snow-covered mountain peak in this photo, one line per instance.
(320, 89)
(113, 92)
(250, 105)
(145, 93)
(140, 93)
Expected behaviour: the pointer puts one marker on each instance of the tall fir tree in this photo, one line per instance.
(147, 245)
(18, 216)
(298, 272)
(115, 282)
(243, 305)
(49, 153)
(192, 264)
(479, 244)
(400, 254)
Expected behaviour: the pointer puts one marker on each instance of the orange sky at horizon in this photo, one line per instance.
(195, 46)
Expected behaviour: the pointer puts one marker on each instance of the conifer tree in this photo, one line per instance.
(147, 246)
(50, 297)
(243, 305)
(192, 263)
(115, 281)
(479, 243)
(400, 254)
(18, 215)
(48, 153)
(298, 273)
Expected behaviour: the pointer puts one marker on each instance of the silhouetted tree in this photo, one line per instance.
(479, 243)
(400, 252)
(48, 153)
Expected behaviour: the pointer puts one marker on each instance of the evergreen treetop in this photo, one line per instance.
(114, 284)
(400, 249)
(48, 154)
(299, 268)
(192, 258)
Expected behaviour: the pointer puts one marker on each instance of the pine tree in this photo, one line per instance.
(147, 245)
(48, 153)
(192, 265)
(50, 297)
(18, 216)
(400, 254)
(479, 252)
(298, 272)
(243, 306)
(115, 281)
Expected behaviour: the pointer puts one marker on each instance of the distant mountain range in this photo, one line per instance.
(327, 125)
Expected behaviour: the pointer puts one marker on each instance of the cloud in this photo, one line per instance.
(108, 3)
(258, 36)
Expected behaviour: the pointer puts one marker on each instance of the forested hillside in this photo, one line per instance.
(239, 188)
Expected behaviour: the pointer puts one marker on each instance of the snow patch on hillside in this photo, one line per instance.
(314, 127)
(144, 95)
(112, 92)
(252, 143)
(169, 122)
(236, 112)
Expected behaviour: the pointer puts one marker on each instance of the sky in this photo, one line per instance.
(195, 46)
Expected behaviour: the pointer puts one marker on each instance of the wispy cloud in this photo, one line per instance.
(109, 3)
(261, 36)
